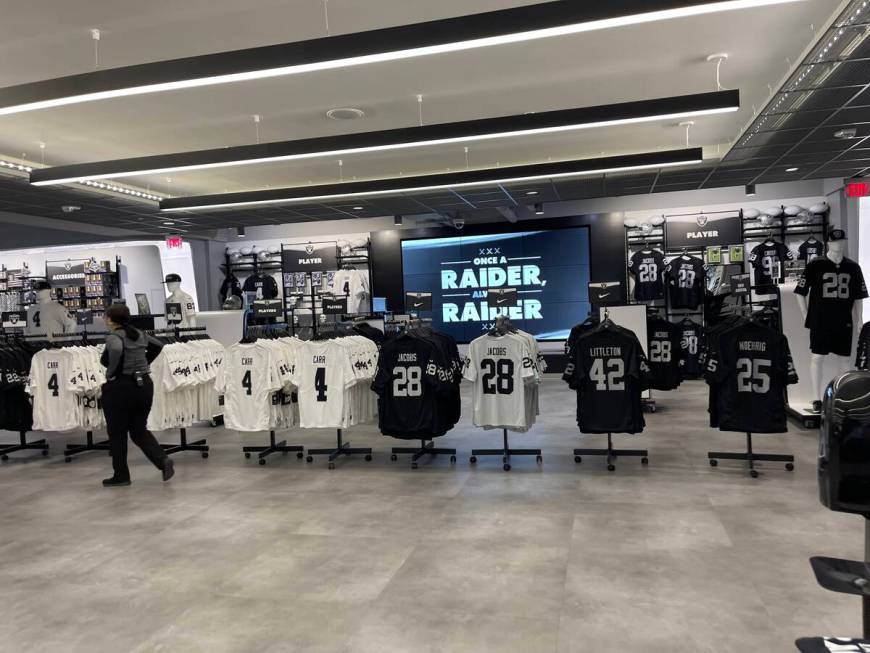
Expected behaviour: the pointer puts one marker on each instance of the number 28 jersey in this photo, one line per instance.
(832, 289)
(648, 269)
(499, 367)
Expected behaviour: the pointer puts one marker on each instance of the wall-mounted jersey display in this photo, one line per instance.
(607, 369)
(664, 354)
(263, 285)
(647, 266)
(692, 343)
(810, 249)
(752, 365)
(832, 291)
(768, 260)
(354, 284)
(685, 277)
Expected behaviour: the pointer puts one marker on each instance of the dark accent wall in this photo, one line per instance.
(606, 245)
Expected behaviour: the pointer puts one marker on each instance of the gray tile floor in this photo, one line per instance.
(231, 556)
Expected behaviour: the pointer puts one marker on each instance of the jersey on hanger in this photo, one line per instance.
(49, 318)
(55, 404)
(768, 261)
(607, 370)
(263, 285)
(499, 367)
(248, 381)
(810, 249)
(686, 279)
(648, 269)
(322, 374)
(691, 342)
(664, 354)
(354, 285)
(752, 365)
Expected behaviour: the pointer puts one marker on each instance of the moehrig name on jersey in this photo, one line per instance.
(752, 345)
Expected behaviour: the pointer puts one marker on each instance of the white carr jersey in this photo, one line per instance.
(499, 367)
(248, 378)
(353, 284)
(56, 406)
(322, 375)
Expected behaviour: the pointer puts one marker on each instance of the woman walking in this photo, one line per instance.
(128, 394)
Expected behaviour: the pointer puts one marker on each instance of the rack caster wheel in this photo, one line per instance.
(368, 457)
(45, 452)
(652, 409)
(644, 461)
(452, 459)
(205, 454)
(714, 463)
(310, 459)
(753, 473)
(300, 455)
(539, 459)
(331, 466)
(507, 467)
(262, 461)
(248, 455)
(473, 460)
(394, 457)
(789, 467)
(611, 468)
(4, 458)
(578, 459)
(414, 465)
(66, 460)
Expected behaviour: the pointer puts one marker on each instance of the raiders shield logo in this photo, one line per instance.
(309, 249)
(67, 266)
(702, 220)
(13, 319)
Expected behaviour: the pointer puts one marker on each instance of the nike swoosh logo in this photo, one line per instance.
(604, 294)
(416, 305)
(500, 301)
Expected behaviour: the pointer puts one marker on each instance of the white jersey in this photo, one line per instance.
(499, 367)
(188, 309)
(248, 380)
(56, 406)
(355, 285)
(49, 318)
(322, 374)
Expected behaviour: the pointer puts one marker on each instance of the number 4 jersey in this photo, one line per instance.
(608, 370)
(500, 367)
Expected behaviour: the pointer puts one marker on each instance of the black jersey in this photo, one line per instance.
(410, 376)
(607, 370)
(832, 290)
(229, 288)
(647, 266)
(691, 344)
(711, 344)
(752, 365)
(264, 285)
(833, 645)
(685, 278)
(664, 353)
(768, 261)
(577, 331)
(862, 358)
(810, 249)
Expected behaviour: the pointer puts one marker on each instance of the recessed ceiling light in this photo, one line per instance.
(532, 192)
(539, 209)
(70, 208)
(358, 208)
(345, 113)
(168, 224)
(791, 169)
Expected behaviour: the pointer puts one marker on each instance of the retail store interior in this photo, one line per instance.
(492, 325)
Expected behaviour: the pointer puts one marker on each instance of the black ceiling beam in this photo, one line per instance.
(670, 107)
(331, 51)
(329, 192)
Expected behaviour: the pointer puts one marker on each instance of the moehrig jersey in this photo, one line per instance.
(810, 249)
(768, 259)
(607, 370)
(664, 354)
(685, 278)
(752, 365)
(832, 290)
(647, 266)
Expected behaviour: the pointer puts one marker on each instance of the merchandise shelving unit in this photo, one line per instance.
(101, 289)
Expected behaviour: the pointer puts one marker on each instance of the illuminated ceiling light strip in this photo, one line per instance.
(550, 122)
(470, 179)
(18, 167)
(122, 189)
(436, 37)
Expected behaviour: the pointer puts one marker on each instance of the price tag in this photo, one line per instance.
(740, 284)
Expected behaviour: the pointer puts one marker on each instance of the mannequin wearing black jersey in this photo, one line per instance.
(842, 359)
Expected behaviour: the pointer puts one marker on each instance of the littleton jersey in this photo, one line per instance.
(832, 290)
(322, 374)
(810, 249)
(768, 260)
(686, 278)
(247, 380)
(499, 366)
(648, 268)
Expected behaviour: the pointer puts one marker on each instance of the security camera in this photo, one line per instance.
(458, 223)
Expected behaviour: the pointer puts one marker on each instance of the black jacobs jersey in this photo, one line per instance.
(691, 344)
(810, 249)
(832, 290)
(685, 279)
(664, 353)
(607, 370)
(753, 366)
(410, 378)
(264, 285)
(768, 260)
(647, 266)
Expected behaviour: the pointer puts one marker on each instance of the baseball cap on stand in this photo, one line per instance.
(172, 278)
(836, 234)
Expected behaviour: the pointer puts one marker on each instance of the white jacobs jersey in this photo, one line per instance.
(248, 379)
(322, 374)
(499, 367)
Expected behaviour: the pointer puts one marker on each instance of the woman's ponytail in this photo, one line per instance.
(120, 315)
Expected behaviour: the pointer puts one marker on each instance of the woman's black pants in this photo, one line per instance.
(126, 405)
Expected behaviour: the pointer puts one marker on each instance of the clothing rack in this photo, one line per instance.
(751, 457)
(612, 454)
(341, 449)
(273, 447)
(505, 452)
(21, 445)
(425, 450)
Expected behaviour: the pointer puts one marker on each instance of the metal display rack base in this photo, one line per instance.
(273, 447)
(505, 452)
(184, 445)
(341, 449)
(751, 457)
(424, 450)
(89, 445)
(22, 445)
(612, 454)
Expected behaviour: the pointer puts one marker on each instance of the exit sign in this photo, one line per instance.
(173, 242)
(857, 189)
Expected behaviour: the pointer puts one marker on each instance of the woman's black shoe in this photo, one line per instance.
(115, 482)
(168, 469)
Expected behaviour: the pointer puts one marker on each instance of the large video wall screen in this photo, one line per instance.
(549, 269)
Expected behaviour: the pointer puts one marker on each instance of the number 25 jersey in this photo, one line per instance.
(499, 367)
